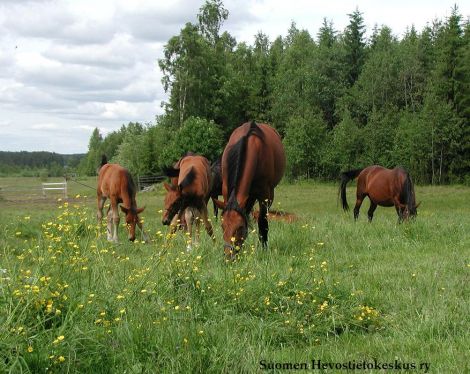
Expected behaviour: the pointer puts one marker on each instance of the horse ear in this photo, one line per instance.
(219, 204)
(139, 210)
(124, 209)
(167, 186)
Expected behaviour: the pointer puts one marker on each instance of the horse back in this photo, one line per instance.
(271, 156)
(382, 185)
(263, 160)
(114, 180)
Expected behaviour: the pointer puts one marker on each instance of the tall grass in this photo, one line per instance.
(327, 288)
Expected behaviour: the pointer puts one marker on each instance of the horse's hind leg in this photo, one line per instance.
(359, 199)
(370, 212)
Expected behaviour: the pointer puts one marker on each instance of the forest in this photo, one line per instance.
(340, 99)
(37, 164)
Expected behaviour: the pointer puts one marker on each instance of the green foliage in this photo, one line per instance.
(387, 100)
(344, 148)
(304, 145)
(196, 135)
(33, 163)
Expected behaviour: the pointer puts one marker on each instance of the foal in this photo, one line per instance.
(115, 183)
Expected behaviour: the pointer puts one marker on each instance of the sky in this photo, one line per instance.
(68, 66)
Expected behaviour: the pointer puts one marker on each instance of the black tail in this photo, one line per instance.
(345, 178)
(104, 160)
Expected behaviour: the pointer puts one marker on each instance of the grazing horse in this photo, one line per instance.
(216, 190)
(115, 183)
(384, 187)
(188, 193)
(253, 163)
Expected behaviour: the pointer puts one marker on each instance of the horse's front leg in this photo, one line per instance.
(109, 226)
(189, 217)
(113, 216)
(99, 214)
(263, 226)
(400, 208)
(370, 212)
(207, 224)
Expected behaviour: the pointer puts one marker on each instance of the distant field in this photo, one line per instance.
(327, 288)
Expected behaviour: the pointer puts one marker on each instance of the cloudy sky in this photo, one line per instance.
(68, 66)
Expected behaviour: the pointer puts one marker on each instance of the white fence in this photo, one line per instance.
(61, 186)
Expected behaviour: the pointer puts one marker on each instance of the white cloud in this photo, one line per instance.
(70, 66)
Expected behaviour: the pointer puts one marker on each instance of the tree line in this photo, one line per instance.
(37, 164)
(340, 100)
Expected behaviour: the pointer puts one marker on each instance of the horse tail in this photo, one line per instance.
(104, 160)
(345, 178)
(408, 193)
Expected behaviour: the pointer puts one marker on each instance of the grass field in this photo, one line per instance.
(327, 289)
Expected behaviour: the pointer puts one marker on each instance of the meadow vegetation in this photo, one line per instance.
(327, 288)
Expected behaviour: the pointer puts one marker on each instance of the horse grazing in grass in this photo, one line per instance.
(384, 187)
(216, 190)
(115, 183)
(188, 193)
(253, 163)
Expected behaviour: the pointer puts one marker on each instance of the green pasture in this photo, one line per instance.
(328, 288)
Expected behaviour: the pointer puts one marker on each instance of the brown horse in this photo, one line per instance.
(115, 183)
(253, 163)
(384, 187)
(188, 193)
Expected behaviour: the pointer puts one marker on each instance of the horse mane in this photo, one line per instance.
(236, 157)
(104, 160)
(408, 192)
(188, 178)
(131, 190)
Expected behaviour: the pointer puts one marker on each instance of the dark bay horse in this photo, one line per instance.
(384, 187)
(253, 163)
(188, 193)
(115, 183)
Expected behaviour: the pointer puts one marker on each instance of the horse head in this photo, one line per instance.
(413, 212)
(132, 219)
(234, 226)
(173, 202)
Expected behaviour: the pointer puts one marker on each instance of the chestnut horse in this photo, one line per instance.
(188, 192)
(253, 163)
(384, 187)
(115, 183)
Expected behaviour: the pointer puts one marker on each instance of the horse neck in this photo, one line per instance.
(246, 179)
